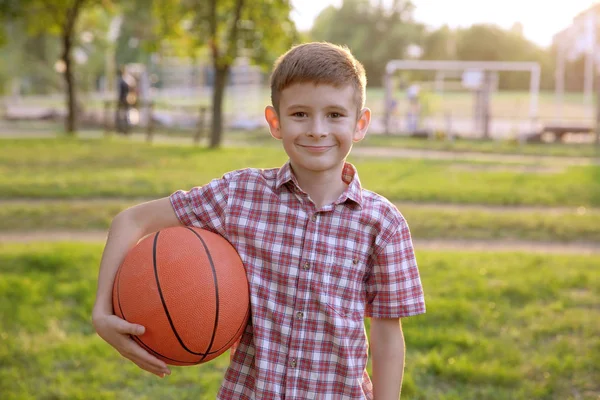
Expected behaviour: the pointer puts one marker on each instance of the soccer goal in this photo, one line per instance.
(463, 93)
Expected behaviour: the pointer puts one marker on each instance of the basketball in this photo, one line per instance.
(188, 288)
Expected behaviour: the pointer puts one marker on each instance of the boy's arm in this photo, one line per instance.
(387, 357)
(127, 228)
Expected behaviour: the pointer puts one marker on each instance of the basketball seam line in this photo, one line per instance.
(156, 353)
(136, 338)
(164, 303)
(216, 283)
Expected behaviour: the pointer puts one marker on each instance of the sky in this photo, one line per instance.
(541, 19)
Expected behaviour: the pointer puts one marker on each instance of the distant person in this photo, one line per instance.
(413, 114)
(123, 105)
(321, 252)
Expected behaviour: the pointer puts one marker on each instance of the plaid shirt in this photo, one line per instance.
(313, 274)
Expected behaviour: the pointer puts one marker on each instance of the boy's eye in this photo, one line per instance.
(299, 114)
(335, 115)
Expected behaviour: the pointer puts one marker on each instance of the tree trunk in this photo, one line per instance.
(220, 82)
(68, 30)
(71, 119)
(597, 127)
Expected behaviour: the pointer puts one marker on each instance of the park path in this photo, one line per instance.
(399, 204)
(387, 152)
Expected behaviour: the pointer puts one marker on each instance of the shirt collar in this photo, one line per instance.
(349, 176)
(285, 175)
(354, 191)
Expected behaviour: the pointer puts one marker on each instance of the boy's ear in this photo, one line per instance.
(362, 125)
(273, 121)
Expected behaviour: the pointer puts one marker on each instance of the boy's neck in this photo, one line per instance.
(323, 188)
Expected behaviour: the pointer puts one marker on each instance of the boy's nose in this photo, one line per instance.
(318, 128)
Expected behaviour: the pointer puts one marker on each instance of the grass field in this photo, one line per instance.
(509, 326)
(261, 138)
(558, 149)
(493, 147)
(499, 326)
(110, 168)
(562, 225)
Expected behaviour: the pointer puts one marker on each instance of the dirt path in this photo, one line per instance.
(386, 152)
(400, 204)
(423, 244)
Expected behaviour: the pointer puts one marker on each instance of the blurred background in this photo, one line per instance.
(502, 70)
(485, 135)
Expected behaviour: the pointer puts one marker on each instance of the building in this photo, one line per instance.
(580, 39)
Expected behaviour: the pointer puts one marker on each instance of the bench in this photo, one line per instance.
(559, 131)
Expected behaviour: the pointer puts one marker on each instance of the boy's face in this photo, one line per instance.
(317, 125)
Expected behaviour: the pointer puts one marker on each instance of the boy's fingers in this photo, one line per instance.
(138, 355)
(160, 372)
(127, 328)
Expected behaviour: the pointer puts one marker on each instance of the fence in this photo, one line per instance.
(146, 114)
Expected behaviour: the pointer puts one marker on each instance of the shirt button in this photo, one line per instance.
(314, 218)
(306, 266)
(299, 315)
(293, 363)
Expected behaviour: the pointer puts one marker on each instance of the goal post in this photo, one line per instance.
(442, 66)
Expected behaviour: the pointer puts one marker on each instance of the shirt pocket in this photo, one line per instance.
(343, 285)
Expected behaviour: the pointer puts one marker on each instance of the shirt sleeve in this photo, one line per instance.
(394, 286)
(204, 206)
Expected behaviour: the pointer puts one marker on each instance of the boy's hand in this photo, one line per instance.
(116, 332)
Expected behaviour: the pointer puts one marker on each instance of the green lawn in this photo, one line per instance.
(63, 168)
(498, 326)
(492, 147)
(262, 138)
(425, 222)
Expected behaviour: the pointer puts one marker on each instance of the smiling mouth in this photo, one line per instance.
(316, 149)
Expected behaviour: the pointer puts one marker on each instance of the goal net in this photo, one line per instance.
(459, 98)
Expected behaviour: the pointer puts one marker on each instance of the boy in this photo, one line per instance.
(320, 252)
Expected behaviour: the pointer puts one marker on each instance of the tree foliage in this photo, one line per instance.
(492, 43)
(439, 44)
(42, 18)
(257, 29)
(9, 10)
(375, 33)
(226, 29)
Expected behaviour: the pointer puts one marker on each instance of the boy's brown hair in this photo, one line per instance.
(318, 63)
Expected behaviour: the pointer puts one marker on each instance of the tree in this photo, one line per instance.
(440, 45)
(257, 29)
(9, 9)
(375, 33)
(58, 18)
(260, 29)
(491, 43)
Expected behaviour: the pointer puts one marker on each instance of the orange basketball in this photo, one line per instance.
(188, 287)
